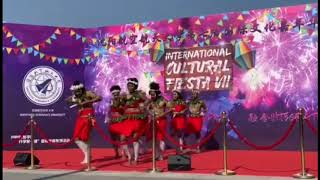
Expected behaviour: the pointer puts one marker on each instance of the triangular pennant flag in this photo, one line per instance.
(180, 28)
(220, 23)
(245, 12)
(308, 7)
(208, 41)
(88, 58)
(23, 50)
(48, 41)
(234, 31)
(240, 17)
(170, 21)
(59, 60)
(30, 49)
(220, 35)
(78, 36)
(8, 50)
(53, 58)
(77, 61)
(36, 47)
(16, 50)
(83, 61)
(198, 22)
(84, 39)
(41, 55)
(72, 32)
(35, 53)
(57, 31)
(314, 11)
(65, 60)
(53, 36)
(201, 17)
(46, 57)
(19, 43)
(94, 40)
(13, 39)
(9, 34)
(4, 29)
(42, 45)
(225, 17)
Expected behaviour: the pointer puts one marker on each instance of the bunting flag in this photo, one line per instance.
(18, 42)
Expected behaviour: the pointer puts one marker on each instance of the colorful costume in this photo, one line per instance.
(135, 121)
(117, 124)
(84, 124)
(194, 124)
(178, 121)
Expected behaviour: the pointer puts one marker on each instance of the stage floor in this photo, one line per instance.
(244, 162)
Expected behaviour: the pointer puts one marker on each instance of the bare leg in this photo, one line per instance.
(136, 146)
(125, 148)
(180, 136)
(115, 147)
(162, 147)
(198, 136)
(83, 147)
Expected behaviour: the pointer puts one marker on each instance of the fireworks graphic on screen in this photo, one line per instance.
(289, 67)
(115, 70)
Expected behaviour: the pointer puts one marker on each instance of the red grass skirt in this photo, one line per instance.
(118, 128)
(161, 127)
(178, 123)
(83, 124)
(194, 124)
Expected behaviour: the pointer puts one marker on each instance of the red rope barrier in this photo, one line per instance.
(16, 141)
(118, 143)
(204, 140)
(249, 143)
(313, 129)
(44, 136)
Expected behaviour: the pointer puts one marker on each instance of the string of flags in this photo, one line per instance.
(20, 44)
(63, 60)
(149, 38)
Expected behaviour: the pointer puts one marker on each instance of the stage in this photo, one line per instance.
(244, 162)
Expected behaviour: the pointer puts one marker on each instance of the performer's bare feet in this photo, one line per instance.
(135, 162)
(84, 161)
(160, 158)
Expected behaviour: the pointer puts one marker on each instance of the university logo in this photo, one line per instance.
(43, 85)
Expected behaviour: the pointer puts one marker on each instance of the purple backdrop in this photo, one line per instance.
(275, 70)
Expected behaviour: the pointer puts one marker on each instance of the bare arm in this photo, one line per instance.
(93, 98)
(71, 100)
(204, 107)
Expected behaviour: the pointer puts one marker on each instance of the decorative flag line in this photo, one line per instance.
(63, 60)
(20, 44)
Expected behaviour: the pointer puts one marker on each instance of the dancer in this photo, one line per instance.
(157, 106)
(197, 109)
(135, 114)
(115, 118)
(85, 119)
(178, 107)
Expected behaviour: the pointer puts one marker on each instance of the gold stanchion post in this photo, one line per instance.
(225, 171)
(89, 167)
(303, 174)
(32, 165)
(154, 168)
